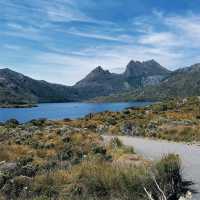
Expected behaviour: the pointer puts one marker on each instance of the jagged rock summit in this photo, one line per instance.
(147, 68)
(15, 87)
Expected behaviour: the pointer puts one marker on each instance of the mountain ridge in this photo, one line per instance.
(16, 87)
(143, 80)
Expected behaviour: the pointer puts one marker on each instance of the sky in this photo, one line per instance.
(63, 40)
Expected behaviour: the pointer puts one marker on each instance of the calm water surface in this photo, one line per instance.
(56, 111)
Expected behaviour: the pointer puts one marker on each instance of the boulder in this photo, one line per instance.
(8, 167)
(130, 128)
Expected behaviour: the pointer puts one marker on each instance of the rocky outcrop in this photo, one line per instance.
(101, 82)
(144, 69)
(16, 88)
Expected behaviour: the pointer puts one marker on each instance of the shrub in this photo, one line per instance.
(98, 180)
(116, 142)
(38, 122)
(169, 175)
(11, 123)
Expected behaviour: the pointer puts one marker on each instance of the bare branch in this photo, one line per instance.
(161, 191)
(148, 194)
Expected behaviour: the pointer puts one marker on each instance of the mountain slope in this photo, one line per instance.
(180, 83)
(137, 74)
(144, 69)
(15, 87)
(99, 82)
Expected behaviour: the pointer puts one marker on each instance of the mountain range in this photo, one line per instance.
(17, 88)
(140, 80)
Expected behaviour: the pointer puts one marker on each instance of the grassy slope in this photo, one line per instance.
(177, 120)
(68, 160)
(180, 83)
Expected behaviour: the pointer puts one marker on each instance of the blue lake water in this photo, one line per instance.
(56, 111)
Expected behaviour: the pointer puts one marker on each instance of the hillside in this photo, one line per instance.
(141, 81)
(139, 74)
(69, 160)
(101, 82)
(180, 83)
(15, 87)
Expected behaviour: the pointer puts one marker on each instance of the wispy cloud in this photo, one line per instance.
(26, 32)
(100, 36)
(12, 47)
(174, 35)
(113, 58)
(159, 38)
(188, 26)
(64, 11)
(71, 37)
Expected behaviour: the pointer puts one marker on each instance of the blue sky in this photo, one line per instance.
(62, 40)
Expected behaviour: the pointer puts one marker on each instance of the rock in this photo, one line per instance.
(101, 129)
(9, 167)
(152, 129)
(28, 170)
(130, 128)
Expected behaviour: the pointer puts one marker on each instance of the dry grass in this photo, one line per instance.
(14, 152)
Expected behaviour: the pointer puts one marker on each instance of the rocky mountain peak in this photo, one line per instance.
(99, 70)
(8, 73)
(133, 62)
(96, 75)
(6, 70)
(146, 68)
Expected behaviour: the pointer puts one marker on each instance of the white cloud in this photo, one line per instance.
(12, 47)
(100, 36)
(187, 26)
(114, 59)
(176, 36)
(173, 41)
(60, 12)
(160, 39)
(26, 32)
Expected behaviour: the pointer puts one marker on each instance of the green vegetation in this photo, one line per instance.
(181, 83)
(68, 160)
(176, 119)
(18, 105)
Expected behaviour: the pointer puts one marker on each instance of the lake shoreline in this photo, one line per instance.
(59, 111)
(18, 105)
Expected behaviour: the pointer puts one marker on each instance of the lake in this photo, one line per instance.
(56, 111)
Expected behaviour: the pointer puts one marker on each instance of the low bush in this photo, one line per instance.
(96, 180)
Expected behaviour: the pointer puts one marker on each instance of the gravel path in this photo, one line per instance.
(155, 149)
